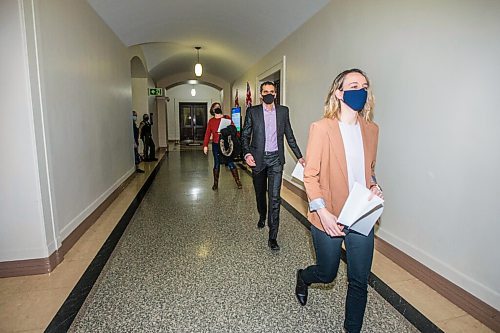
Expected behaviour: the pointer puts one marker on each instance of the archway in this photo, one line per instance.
(188, 113)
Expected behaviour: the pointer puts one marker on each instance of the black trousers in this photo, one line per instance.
(269, 178)
(137, 156)
(149, 147)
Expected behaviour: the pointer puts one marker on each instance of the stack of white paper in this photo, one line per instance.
(298, 172)
(223, 124)
(358, 213)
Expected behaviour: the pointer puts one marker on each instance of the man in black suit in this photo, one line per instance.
(263, 149)
(136, 142)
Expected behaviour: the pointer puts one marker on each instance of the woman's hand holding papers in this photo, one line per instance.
(329, 222)
(376, 191)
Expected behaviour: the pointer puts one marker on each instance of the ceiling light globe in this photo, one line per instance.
(198, 70)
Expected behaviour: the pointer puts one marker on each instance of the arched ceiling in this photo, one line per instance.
(233, 34)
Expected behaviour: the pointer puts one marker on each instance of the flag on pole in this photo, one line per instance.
(236, 102)
(248, 100)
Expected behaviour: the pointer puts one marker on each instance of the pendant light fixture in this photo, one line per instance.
(198, 69)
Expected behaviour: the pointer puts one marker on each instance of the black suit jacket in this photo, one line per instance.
(253, 136)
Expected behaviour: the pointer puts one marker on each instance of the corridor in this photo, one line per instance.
(108, 222)
(192, 260)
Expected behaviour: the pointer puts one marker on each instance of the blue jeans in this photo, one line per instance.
(359, 252)
(216, 152)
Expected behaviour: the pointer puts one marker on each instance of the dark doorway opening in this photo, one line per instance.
(276, 78)
(193, 123)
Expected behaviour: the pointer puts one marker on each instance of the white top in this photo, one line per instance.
(354, 153)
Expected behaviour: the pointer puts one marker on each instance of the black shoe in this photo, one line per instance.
(273, 244)
(301, 289)
(139, 171)
(261, 224)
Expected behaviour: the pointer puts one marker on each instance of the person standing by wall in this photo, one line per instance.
(263, 149)
(135, 128)
(341, 151)
(146, 135)
(213, 131)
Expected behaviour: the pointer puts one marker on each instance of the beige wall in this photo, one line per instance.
(79, 100)
(85, 86)
(161, 116)
(434, 68)
(22, 232)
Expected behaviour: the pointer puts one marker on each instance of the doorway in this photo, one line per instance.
(276, 74)
(276, 79)
(192, 123)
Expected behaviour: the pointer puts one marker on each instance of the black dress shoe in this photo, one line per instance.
(273, 244)
(139, 170)
(261, 224)
(301, 289)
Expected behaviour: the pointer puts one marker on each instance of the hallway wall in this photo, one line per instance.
(22, 233)
(87, 127)
(434, 69)
(81, 107)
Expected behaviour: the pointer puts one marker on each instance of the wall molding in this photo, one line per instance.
(480, 310)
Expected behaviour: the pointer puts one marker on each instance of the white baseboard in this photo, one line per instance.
(68, 229)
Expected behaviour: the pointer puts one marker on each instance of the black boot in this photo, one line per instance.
(301, 289)
(236, 178)
(216, 180)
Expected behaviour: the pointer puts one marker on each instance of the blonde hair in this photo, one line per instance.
(332, 103)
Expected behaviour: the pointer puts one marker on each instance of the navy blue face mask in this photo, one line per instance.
(356, 99)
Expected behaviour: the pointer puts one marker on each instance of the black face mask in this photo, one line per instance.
(218, 111)
(146, 118)
(268, 99)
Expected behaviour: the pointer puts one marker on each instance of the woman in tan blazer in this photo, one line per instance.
(341, 150)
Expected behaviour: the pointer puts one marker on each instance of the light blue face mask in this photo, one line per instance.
(356, 99)
(134, 117)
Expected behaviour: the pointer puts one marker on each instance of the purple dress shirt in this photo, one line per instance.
(270, 128)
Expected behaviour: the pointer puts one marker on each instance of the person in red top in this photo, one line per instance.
(212, 130)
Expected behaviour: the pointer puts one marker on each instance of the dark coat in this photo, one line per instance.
(253, 136)
(229, 143)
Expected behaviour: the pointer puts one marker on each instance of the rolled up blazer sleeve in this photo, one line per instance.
(315, 146)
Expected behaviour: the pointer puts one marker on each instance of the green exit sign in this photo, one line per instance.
(155, 91)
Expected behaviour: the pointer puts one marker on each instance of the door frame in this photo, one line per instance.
(281, 67)
(179, 109)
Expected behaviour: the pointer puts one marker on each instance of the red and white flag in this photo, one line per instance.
(248, 100)
(236, 102)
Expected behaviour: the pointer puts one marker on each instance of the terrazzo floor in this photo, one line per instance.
(192, 260)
